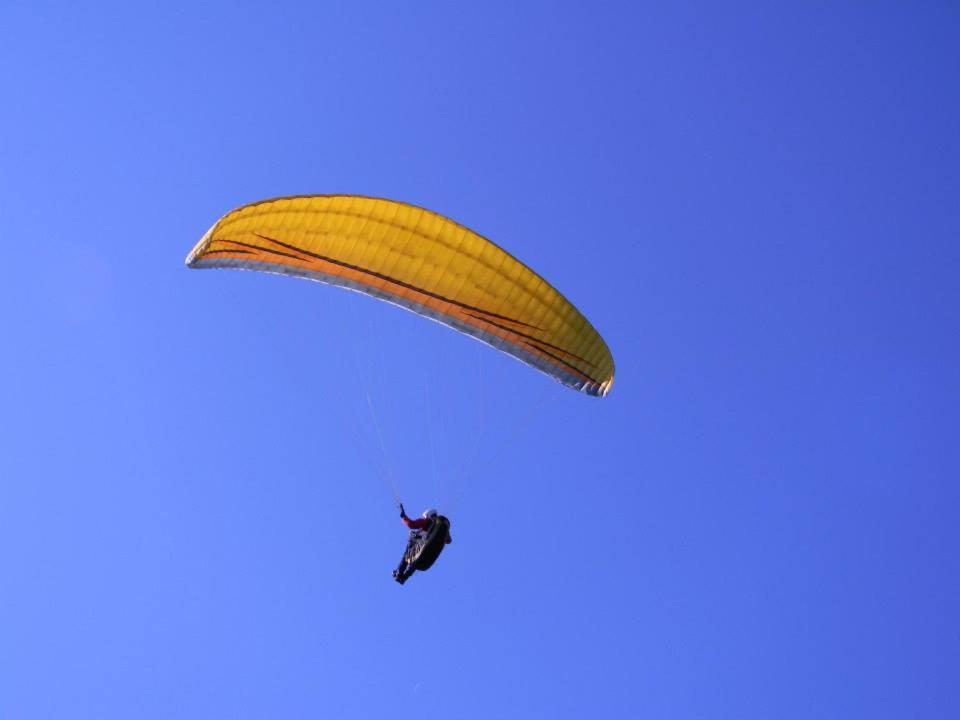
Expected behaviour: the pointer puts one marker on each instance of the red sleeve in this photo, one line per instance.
(417, 524)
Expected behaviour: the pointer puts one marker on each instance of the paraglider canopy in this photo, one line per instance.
(419, 260)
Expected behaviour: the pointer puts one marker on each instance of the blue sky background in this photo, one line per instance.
(756, 204)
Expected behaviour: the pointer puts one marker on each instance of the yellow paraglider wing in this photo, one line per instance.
(422, 261)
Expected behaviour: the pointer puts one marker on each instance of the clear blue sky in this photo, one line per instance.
(757, 204)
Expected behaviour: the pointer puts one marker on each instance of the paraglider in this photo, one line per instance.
(429, 534)
(425, 263)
